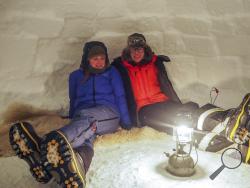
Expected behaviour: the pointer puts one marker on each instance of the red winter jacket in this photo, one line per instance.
(145, 84)
(165, 84)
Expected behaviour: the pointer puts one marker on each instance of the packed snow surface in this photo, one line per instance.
(139, 163)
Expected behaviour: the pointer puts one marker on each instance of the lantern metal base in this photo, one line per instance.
(182, 166)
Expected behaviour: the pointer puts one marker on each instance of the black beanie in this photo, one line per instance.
(96, 50)
(93, 46)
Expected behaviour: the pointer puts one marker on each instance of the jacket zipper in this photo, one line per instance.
(143, 81)
(146, 78)
(94, 99)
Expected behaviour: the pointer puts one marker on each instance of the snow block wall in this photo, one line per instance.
(41, 42)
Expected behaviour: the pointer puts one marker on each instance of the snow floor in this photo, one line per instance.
(135, 164)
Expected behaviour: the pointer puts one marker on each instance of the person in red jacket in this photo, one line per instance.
(153, 101)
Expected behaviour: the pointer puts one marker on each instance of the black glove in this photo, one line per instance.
(126, 126)
(164, 58)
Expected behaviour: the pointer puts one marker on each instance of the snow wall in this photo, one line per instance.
(41, 42)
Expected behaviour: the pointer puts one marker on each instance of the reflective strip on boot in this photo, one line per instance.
(238, 120)
(74, 159)
(204, 115)
(205, 141)
(248, 153)
(27, 132)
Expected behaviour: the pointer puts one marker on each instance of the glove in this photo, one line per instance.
(126, 126)
(164, 58)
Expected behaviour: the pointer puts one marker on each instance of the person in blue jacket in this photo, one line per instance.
(97, 106)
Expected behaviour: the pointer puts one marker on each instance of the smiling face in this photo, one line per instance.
(98, 61)
(137, 54)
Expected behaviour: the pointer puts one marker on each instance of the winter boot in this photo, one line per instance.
(212, 121)
(245, 151)
(61, 161)
(237, 126)
(85, 154)
(26, 144)
(209, 116)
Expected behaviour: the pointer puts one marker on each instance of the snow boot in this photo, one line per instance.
(245, 151)
(212, 121)
(26, 144)
(238, 130)
(85, 154)
(61, 161)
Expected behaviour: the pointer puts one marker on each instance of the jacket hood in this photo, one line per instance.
(86, 49)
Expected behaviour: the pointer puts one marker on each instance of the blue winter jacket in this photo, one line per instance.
(99, 89)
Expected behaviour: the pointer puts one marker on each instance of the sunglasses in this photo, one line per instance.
(136, 42)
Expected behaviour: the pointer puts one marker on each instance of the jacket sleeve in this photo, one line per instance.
(120, 99)
(117, 63)
(72, 94)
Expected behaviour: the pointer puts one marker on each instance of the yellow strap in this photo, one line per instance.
(27, 132)
(238, 121)
(248, 153)
(74, 158)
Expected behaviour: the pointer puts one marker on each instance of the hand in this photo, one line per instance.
(126, 126)
(164, 58)
(94, 127)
